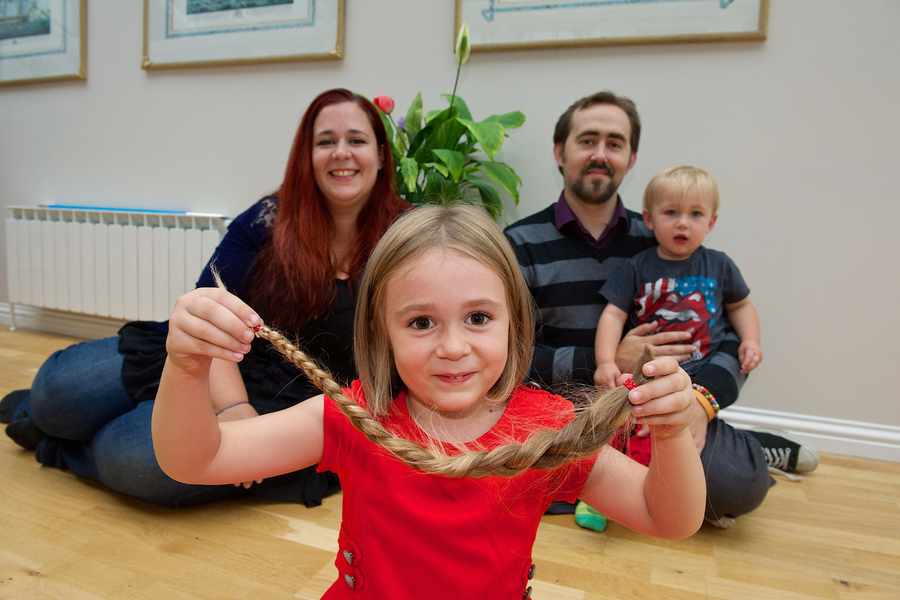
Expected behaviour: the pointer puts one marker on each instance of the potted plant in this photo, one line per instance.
(445, 155)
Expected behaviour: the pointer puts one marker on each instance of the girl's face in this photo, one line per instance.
(447, 319)
(345, 157)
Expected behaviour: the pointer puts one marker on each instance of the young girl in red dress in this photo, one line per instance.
(447, 461)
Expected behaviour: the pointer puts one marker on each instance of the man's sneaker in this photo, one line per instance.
(786, 457)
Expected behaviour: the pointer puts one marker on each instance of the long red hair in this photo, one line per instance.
(294, 275)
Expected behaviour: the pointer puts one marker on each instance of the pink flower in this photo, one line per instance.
(385, 103)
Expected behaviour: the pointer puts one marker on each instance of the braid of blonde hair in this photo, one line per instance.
(593, 426)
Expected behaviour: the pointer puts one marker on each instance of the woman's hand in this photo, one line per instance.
(663, 403)
(209, 323)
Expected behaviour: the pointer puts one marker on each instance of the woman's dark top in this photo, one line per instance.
(272, 383)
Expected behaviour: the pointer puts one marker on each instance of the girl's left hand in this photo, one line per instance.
(663, 402)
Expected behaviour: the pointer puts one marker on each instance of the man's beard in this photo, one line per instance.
(598, 192)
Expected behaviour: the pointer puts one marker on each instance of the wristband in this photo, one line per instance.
(221, 410)
(706, 400)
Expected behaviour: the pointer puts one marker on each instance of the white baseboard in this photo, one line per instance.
(836, 436)
(60, 322)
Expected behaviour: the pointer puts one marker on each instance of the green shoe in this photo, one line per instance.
(587, 517)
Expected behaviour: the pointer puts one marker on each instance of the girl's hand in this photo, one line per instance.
(209, 323)
(663, 403)
(750, 355)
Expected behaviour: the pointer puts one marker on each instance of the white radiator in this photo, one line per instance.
(117, 263)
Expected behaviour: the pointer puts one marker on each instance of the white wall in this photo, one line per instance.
(800, 130)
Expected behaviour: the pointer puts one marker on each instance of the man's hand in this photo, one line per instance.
(667, 343)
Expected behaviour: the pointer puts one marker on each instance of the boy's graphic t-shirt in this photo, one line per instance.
(680, 295)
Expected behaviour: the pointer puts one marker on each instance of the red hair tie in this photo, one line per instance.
(629, 383)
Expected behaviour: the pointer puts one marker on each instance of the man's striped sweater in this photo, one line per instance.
(565, 273)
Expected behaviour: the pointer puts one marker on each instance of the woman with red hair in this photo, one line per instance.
(295, 256)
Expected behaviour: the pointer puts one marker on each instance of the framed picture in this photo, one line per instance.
(518, 24)
(196, 33)
(42, 40)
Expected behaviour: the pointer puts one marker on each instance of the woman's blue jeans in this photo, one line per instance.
(97, 431)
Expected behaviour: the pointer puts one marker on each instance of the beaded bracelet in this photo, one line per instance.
(706, 400)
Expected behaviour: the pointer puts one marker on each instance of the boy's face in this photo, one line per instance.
(447, 319)
(681, 221)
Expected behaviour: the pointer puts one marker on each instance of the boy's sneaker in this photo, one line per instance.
(588, 517)
(786, 457)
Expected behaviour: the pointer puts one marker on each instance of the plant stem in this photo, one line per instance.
(455, 82)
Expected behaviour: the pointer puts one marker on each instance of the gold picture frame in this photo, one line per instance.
(219, 33)
(497, 25)
(42, 41)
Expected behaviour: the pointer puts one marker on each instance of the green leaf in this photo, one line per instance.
(448, 135)
(454, 160)
(414, 117)
(439, 168)
(441, 114)
(445, 136)
(510, 120)
(488, 133)
(434, 186)
(409, 172)
(449, 192)
(433, 121)
(489, 196)
(462, 109)
(391, 136)
(401, 144)
(505, 176)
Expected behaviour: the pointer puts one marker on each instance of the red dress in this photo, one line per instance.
(406, 534)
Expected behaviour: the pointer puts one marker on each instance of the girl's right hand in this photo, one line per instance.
(209, 323)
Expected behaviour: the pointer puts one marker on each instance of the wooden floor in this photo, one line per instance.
(834, 535)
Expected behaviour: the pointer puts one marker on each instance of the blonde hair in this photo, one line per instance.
(681, 179)
(462, 228)
(467, 230)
